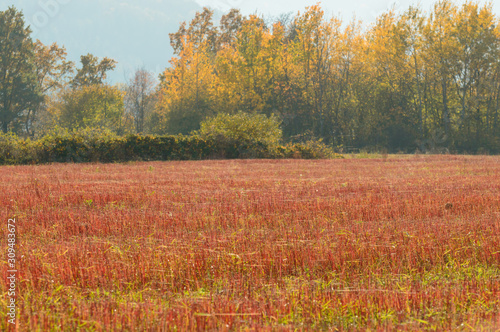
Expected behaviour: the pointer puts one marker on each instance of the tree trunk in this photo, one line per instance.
(420, 112)
(446, 113)
(5, 127)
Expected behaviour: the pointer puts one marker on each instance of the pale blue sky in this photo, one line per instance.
(363, 9)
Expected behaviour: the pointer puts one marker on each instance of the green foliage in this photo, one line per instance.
(12, 151)
(313, 149)
(98, 106)
(93, 71)
(242, 127)
(95, 145)
(19, 88)
(242, 134)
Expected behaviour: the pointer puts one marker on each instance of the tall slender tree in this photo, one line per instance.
(139, 97)
(19, 88)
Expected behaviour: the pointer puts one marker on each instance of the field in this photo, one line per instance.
(397, 243)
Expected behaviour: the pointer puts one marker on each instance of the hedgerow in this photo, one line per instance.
(104, 146)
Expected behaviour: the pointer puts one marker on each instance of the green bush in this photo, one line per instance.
(313, 149)
(241, 135)
(11, 149)
(243, 128)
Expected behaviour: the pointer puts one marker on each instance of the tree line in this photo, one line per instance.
(411, 80)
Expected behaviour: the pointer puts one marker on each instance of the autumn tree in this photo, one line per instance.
(88, 101)
(93, 106)
(92, 71)
(411, 27)
(230, 25)
(477, 57)
(184, 88)
(392, 82)
(139, 97)
(311, 48)
(441, 60)
(251, 65)
(52, 72)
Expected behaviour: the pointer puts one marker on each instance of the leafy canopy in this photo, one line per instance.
(18, 84)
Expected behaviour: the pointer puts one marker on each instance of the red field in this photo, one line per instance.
(407, 243)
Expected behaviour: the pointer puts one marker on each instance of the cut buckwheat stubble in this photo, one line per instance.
(401, 243)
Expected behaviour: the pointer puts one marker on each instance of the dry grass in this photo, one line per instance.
(407, 243)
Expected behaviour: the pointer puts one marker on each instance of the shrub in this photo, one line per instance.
(241, 135)
(313, 149)
(242, 128)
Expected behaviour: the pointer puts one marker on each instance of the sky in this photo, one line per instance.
(363, 9)
(135, 32)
